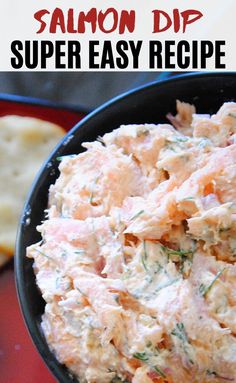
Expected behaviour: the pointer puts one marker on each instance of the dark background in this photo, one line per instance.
(88, 89)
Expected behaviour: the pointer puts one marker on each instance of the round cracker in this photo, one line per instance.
(25, 143)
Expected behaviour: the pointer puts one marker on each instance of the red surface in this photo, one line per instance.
(63, 117)
(19, 359)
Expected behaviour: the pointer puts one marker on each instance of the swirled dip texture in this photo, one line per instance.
(137, 259)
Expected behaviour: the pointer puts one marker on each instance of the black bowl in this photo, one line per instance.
(151, 103)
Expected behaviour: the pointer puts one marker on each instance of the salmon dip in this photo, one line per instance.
(137, 258)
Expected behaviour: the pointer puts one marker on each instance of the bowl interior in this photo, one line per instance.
(147, 104)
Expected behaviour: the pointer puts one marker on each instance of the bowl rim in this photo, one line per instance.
(39, 341)
(43, 103)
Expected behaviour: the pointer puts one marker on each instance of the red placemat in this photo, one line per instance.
(20, 361)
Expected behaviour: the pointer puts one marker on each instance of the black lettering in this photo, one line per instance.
(17, 61)
(169, 54)
(207, 51)
(123, 61)
(155, 55)
(31, 54)
(195, 54)
(47, 50)
(107, 55)
(135, 49)
(74, 55)
(182, 59)
(93, 54)
(59, 54)
(219, 54)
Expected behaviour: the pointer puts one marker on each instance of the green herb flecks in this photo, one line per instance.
(171, 148)
(136, 215)
(180, 332)
(214, 373)
(180, 139)
(144, 256)
(81, 292)
(175, 140)
(79, 251)
(157, 267)
(203, 289)
(45, 255)
(178, 256)
(145, 358)
(91, 198)
(159, 371)
(182, 263)
(141, 356)
(181, 253)
(188, 198)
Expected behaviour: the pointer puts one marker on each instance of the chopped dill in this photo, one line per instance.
(180, 332)
(205, 289)
(214, 373)
(81, 292)
(181, 253)
(141, 356)
(136, 215)
(180, 139)
(159, 371)
(158, 267)
(144, 256)
(171, 148)
(145, 358)
(45, 255)
(188, 199)
(202, 289)
(91, 197)
(79, 251)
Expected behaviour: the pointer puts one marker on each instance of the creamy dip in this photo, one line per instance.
(137, 259)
